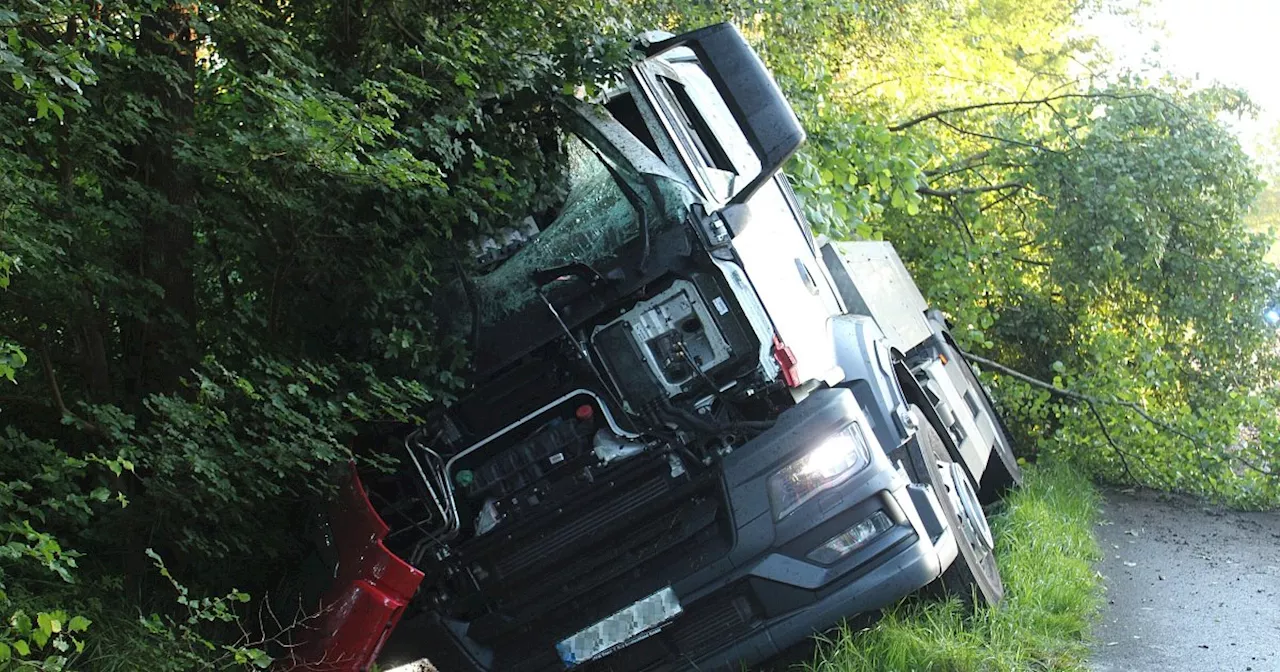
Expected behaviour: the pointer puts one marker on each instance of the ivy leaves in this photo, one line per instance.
(854, 170)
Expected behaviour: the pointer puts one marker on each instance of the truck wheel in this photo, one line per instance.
(974, 577)
(1003, 474)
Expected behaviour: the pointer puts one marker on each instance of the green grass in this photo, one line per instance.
(1046, 550)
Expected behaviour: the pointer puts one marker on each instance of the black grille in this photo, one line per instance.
(629, 536)
(584, 526)
(702, 630)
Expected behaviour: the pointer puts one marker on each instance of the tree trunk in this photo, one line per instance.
(160, 347)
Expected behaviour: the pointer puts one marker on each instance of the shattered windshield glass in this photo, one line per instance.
(593, 222)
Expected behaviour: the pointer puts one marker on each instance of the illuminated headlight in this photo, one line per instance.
(848, 541)
(829, 464)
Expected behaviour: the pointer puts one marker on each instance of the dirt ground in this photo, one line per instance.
(1190, 587)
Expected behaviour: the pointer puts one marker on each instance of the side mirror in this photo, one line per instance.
(748, 90)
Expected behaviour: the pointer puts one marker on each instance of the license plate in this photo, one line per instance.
(625, 627)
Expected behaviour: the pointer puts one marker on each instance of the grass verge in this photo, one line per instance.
(1046, 549)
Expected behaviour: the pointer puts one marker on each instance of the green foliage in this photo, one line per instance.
(1046, 548)
(1264, 215)
(1098, 225)
(184, 637)
(224, 230)
(54, 491)
(221, 235)
(47, 643)
(11, 359)
(1128, 266)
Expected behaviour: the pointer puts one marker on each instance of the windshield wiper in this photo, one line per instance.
(577, 269)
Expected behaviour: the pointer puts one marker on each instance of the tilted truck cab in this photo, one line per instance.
(694, 437)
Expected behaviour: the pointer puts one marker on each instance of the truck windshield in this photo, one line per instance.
(592, 223)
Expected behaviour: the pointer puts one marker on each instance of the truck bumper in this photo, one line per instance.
(910, 562)
(767, 594)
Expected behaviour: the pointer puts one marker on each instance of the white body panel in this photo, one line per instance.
(790, 283)
(875, 283)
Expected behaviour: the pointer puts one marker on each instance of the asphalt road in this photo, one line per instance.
(1190, 588)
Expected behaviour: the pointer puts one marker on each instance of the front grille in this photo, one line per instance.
(584, 526)
(629, 537)
(703, 629)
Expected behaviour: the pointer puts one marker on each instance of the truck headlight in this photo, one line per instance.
(851, 539)
(829, 464)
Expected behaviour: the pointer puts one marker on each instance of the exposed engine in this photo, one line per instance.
(658, 347)
(663, 375)
(586, 461)
(537, 459)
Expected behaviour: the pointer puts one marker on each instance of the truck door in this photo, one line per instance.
(774, 249)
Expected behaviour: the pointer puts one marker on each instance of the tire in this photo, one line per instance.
(974, 577)
(1002, 474)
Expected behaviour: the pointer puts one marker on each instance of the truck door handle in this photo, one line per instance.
(806, 277)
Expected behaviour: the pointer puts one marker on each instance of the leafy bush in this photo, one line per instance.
(223, 229)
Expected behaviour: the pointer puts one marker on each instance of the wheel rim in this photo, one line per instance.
(964, 514)
(971, 509)
(974, 533)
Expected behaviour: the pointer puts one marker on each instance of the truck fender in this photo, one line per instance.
(863, 355)
(939, 368)
(371, 590)
(915, 394)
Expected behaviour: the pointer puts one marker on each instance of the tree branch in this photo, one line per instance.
(938, 114)
(962, 226)
(1091, 402)
(1078, 396)
(960, 191)
(998, 201)
(1265, 471)
(963, 164)
(52, 379)
(46, 363)
(1124, 460)
(996, 138)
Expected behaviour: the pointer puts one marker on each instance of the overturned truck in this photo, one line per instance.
(695, 436)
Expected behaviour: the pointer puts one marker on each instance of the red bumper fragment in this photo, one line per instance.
(369, 592)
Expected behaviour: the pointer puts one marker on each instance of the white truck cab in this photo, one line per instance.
(694, 436)
(695, 133)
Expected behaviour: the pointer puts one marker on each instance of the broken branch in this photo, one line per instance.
(961, 191)
(938, 114)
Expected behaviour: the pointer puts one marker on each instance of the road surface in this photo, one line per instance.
(1190, 587)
